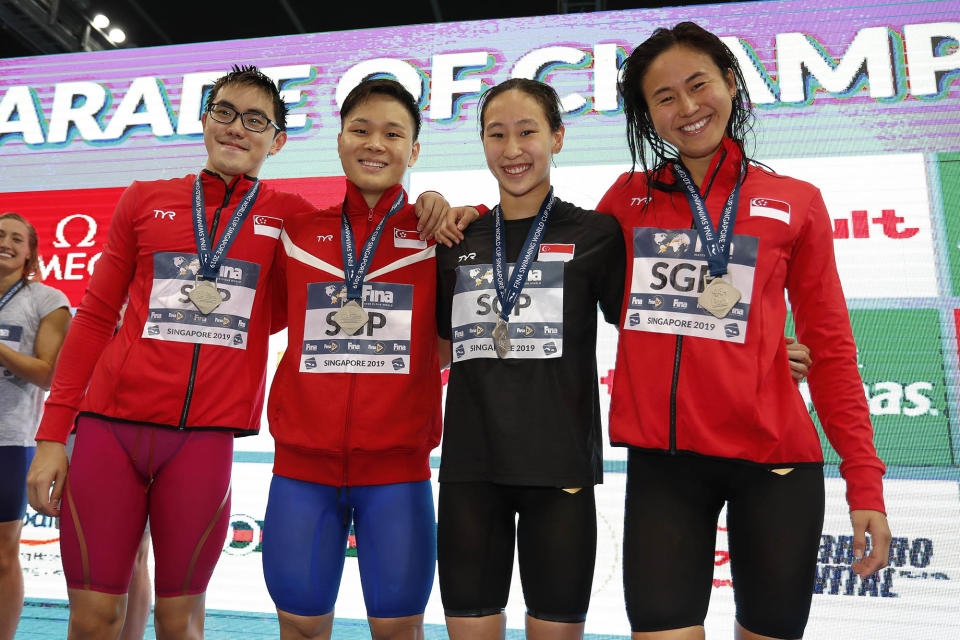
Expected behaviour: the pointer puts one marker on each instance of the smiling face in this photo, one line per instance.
(689, 100)
(377, 145)
(233, 150)
(518, 144)
(14, 246)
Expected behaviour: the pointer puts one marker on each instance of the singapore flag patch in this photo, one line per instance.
(556, 252)
(770, 208)
(267, 226)
(408, 240)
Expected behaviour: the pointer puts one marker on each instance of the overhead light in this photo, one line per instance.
(101, 21)
(116, 36)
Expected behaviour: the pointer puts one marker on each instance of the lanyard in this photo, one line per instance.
(210, 260)
(353, 270)
(12, 291)
(509, 293)
(716, 243)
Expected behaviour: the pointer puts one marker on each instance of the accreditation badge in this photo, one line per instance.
(535, 327)
(184, 307)
(378, 341)
(670, 288)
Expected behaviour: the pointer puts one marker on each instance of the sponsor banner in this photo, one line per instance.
(900, 359)
(536, 322)
(72, 224)
(382, 345)
(173, 316)
(879, 209)
(949, 167)
(668, 276)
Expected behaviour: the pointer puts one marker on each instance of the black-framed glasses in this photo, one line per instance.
(251, 120)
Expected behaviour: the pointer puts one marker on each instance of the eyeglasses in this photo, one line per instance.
(251, 120)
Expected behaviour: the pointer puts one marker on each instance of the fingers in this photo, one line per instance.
(431, 209)
(798, 370)
(875, 523)
(48, 469)
(799, 358)
(449, 232)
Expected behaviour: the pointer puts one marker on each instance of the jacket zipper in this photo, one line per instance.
(353, 383)
(679, 349)
(196, 347)
(673, 395)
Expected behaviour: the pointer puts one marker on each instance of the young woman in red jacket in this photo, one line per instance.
(702, 395)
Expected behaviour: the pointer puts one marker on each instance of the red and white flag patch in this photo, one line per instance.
(769, 208)
(267, 226)
(408, 240)
(556, 252)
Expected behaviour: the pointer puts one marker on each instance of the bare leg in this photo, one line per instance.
(547, 630)
(11, 578)
(480, 628)
(139, 596)
(294, 627)
(180, 617)
(95, 615)
(405, 628)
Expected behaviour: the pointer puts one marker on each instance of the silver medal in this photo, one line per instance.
(719, 297)
(501, 338)
(351, 317)
(205, 296)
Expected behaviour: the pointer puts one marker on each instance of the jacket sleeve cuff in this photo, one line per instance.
(57, 423)
(865, 488)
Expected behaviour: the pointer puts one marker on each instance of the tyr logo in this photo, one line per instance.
(467, 256)
(326, 238)
(164, 215)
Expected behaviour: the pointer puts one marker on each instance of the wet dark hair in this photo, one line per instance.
(641, 135)
(382, 87)
(544, 94)
(250, 75)
(31, 268)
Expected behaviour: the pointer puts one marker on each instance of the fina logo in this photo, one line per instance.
(674, 243)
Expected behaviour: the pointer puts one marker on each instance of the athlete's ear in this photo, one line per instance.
(414, 154)
(278, 141)
(558, 140)
(340, 144)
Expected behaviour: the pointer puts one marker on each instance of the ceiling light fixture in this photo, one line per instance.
(101, 21)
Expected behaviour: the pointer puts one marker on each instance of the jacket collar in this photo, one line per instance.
(356, 204)
(723, 172)
(214, 185)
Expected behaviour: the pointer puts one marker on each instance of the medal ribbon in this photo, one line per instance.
(353, 270)
(12, 291)
(210, 260)
(509, 293)
(716, 243)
